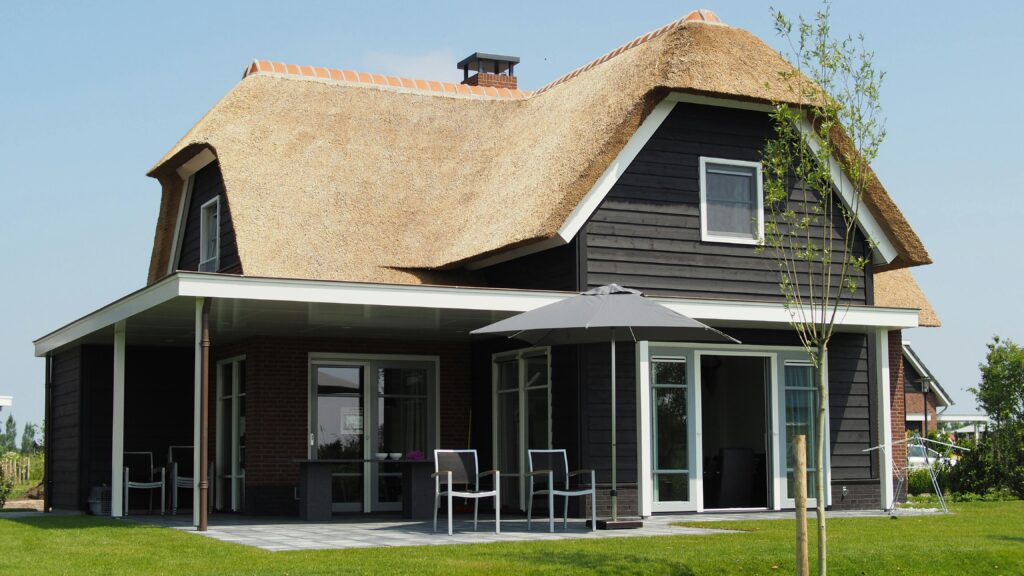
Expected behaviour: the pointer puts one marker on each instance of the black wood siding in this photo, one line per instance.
(646, 233)
(554, 269)
(207, 184)
(62, 433)
(596, 411)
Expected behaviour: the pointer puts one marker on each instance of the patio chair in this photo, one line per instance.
(552, 467)
(461, 467)
(139, 474)
(176, 481)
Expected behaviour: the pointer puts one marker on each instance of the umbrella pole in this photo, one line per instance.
(615, 467)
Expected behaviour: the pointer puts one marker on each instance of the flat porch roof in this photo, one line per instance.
(164, 313)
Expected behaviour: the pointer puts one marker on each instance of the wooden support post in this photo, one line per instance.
(800, 500)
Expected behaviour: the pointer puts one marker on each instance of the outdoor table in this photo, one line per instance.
(315, 486)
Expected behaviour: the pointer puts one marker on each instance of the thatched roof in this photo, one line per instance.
(335, 175)
(898, 289)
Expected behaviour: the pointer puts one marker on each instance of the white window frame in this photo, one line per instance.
(205, 259)
(228, 464)
(709, 236)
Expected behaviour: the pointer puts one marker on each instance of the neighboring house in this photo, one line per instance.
(915, 375)
(347, 230)
(6, 401)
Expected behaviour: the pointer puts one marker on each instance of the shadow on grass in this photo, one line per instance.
(604, 563)
(1008, 538)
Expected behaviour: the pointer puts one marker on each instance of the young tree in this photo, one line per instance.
(832, 123)
(29, 446)
(1001, 395)
(8, 440)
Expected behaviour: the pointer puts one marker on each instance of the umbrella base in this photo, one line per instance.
(620, 524)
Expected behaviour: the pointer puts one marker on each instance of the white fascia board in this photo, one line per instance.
(116, 311)
(6, 400)
(883, 245)
(770, 312)
(336, 292)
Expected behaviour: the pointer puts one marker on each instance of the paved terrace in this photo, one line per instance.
(278, 534)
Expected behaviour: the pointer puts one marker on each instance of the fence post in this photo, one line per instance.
(800, 500)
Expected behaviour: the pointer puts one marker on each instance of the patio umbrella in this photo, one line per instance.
(606, 314)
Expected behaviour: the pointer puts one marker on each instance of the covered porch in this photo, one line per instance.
(311, 369)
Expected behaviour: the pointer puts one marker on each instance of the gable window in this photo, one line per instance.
(209, 236)
(731, 201)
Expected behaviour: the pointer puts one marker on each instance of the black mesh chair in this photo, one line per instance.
(460, 467)
(552, 468)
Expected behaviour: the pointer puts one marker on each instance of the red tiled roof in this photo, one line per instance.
(282, 69)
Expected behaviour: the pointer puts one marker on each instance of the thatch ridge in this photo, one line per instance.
(898, 289)
(353, 181)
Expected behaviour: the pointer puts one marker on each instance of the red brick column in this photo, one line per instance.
(897, 406)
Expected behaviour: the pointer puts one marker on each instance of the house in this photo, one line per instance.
(6, 401)
(327, 239)
(916, 377)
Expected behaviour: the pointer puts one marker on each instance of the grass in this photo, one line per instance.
(979, 538)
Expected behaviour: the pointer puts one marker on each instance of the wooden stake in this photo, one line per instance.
(800, 500)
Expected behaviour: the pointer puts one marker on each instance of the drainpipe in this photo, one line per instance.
(204, 417)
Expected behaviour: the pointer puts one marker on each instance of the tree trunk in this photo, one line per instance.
(819, 456)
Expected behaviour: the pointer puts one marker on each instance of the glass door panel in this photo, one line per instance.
(402, 426)
(507, 428)
(670, 413)
(339, 430)
(801, 405)
(229, 465)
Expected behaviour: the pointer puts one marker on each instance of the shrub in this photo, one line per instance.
(6, 487)
(919, 482)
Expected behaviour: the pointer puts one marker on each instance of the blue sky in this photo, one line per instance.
(94, 93)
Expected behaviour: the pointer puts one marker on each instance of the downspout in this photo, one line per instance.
(47, 426)
(204, 417)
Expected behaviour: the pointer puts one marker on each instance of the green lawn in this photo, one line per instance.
(979, 538)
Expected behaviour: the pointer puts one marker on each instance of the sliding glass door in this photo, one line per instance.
(368, 406)
(670, 413)
(229, 468)
(801, 405)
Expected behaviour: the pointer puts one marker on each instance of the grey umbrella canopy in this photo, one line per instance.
(606, 314)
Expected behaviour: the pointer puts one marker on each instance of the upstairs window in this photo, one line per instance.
(209, 236)
(731, 201)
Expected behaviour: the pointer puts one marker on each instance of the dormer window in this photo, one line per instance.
(731, 201)
(209, 236)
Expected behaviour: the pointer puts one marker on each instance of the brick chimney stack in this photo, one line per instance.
(491, 70)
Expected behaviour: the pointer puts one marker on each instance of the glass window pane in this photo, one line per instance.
(731, 200)
(537, 418)
(347, 488)
(801, 401)
(339, 379)
(402, 425)
(508, 375)
(536, 371)
(669, 373)
(405, 381)
(241, 376)
(339, 427)
(508, 432)
(670, 407)
(673, 487)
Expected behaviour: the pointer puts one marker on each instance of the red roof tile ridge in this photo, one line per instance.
(702, 16)
(405, 84)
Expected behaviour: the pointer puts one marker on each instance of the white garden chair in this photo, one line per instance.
(552, 466)
(139, 474)
(453, 467)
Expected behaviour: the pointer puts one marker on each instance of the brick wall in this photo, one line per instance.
(859, 495)
(494, 80)
(277, 404)
(913, 402)
(897, 399)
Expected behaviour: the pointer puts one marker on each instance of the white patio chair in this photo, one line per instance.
(462, 467)
(139, 474)
(178, 482)
(553, 467)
